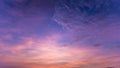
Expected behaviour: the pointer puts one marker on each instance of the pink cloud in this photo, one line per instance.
(43, 51)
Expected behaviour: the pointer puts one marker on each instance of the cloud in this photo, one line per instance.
(92, 23)
(42, 53)
(83, 15)
(89, 22)
(91, 39)
(47, 52)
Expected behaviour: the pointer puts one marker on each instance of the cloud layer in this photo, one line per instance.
(59, 34)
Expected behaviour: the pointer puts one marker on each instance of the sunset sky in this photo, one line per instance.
(59, 33)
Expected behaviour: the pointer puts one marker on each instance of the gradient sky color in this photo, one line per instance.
(59, 34)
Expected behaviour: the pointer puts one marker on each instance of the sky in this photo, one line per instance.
(59, 34)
